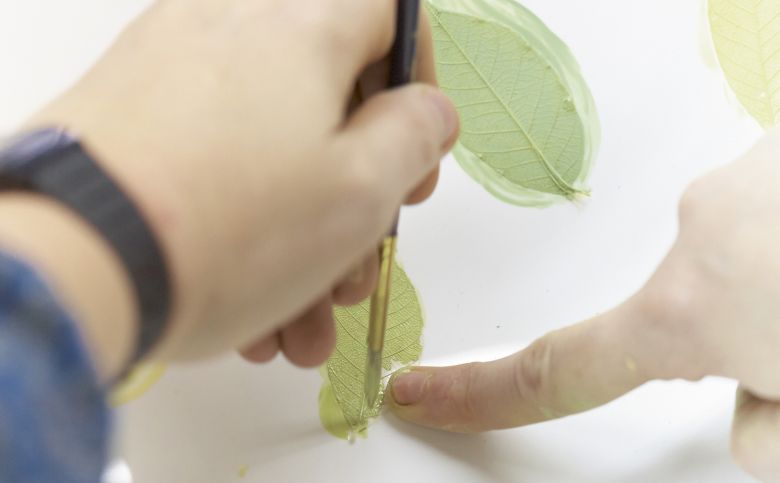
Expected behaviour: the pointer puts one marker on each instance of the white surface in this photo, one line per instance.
(489, 273)
(203, 424)
(117, 472)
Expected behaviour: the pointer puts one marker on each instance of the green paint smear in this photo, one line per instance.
(331, 416)
(343, 412)
(746, 35)
(529, 125)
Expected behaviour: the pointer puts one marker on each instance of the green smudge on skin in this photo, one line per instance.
(341, 402)
(529, 128)
(631, 364)
(549, 413)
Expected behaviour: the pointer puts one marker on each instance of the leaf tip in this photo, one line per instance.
(579, 196)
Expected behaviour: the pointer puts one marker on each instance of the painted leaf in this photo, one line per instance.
(529, 127)
(746, 34)
(342, 407)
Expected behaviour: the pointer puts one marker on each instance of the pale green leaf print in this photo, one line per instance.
(746, 34)
(342, 407)
(529, 125)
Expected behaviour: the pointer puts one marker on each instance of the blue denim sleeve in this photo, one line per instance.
(54, 420)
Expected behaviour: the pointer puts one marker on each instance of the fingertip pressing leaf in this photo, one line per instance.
(529, 128)
(746, 35)
(341, 401)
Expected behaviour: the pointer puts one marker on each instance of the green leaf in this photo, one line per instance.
(746, 34)
(529, 126)
(342, 407)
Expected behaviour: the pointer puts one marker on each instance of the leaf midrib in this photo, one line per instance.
(560, 182)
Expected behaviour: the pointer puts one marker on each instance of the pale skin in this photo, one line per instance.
(268, 194)
(233, 126)
(711, 308)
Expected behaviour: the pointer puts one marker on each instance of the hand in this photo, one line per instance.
(227, 121)
(712, 308)
(310, 337)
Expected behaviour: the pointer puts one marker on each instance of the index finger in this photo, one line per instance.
(565, 372)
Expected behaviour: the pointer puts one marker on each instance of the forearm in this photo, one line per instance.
(81, 269)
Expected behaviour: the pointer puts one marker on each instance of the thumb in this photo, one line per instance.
(564, 372)
(395, 139)
(755, 436)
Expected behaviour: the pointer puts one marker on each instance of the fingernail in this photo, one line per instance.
(409, 388)
(447, 113)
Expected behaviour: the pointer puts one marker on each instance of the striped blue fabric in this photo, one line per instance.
(54, 420)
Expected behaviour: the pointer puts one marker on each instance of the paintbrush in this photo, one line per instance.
(402, 57)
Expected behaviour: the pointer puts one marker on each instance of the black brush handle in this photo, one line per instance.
(402, 54)
(405, 45)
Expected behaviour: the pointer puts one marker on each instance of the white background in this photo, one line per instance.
(489, 274)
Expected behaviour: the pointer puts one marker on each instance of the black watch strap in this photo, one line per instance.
(53, 163)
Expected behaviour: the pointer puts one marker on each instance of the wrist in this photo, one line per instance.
(141, 168)
(81, 269)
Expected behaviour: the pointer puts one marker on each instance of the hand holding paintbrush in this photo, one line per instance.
(357, 284)
(402, 58)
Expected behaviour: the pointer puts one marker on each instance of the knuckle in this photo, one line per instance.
(672, 304)
(335, 34)
(671, 299)
(531, 372)
(317, 21)
(470, 401)
(362, 181)
(361, 184)
(422, 126)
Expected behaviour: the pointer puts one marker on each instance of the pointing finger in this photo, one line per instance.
(565, 372)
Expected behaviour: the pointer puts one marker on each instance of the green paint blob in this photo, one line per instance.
(529, 125)
(746, 35)
(341, 402)
(331, 417)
